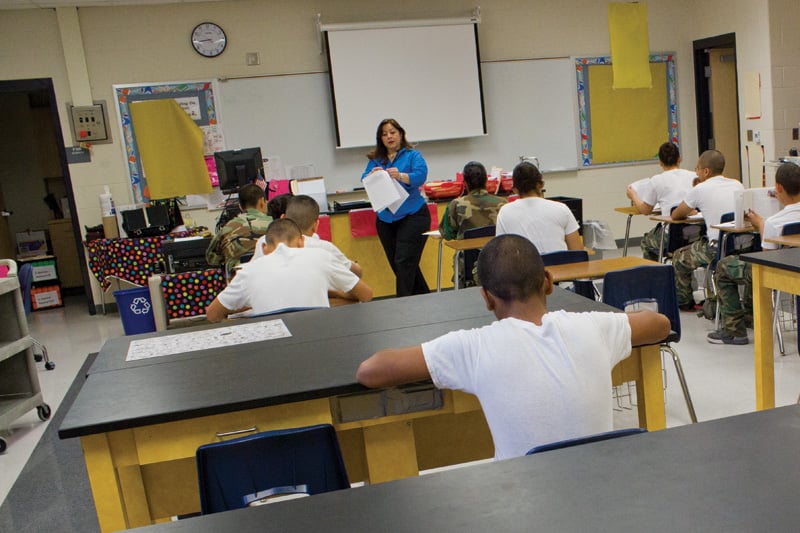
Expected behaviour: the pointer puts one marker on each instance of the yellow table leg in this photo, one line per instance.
(391, 451)
(104, 483)
(762, 337)
(650, 389)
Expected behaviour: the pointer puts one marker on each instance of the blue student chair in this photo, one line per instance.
(471, 256)
(680, 235)
(656, 282)
(584, 287)
(788, 229)
(569, 443)
(235, 473)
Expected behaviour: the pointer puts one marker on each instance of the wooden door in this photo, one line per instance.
(725, 108)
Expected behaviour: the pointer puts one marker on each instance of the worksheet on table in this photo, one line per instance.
(207, 339)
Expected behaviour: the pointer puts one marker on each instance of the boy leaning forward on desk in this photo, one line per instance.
(540, 376)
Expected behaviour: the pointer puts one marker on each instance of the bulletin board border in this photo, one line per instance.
(582, 72)
(125, 94)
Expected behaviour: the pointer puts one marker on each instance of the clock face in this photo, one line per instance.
(208, 39)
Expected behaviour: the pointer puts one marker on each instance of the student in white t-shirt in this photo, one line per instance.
(549, 225)
(732, 272)
(289, 276)
(667, 190)
(713, 196)
(540, 377)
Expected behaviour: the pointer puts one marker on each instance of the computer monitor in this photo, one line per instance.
(238, 167)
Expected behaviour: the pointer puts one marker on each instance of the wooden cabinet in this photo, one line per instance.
(63, 241)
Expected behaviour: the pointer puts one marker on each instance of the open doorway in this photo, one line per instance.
(35, 185)
(717, 99)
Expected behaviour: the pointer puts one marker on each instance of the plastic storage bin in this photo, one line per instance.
(135, 310)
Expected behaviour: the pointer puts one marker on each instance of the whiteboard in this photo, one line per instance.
(531, 110)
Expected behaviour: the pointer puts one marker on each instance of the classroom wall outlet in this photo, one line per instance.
(253, 59)
(795, 134)
(757, 136)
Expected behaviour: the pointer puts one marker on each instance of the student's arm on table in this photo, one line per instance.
(356, 269)
(643, 207)
(393, 367)
(216, 312)
(574, 241)
(360, 291)
(648, 327)
(681, 212)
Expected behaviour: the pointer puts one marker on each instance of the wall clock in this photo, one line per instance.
(208, 39)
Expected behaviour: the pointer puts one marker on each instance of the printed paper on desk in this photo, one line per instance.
(760, 200)
(384, 192)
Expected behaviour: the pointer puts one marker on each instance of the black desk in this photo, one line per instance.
(772, 270)
(141, 422)
(731, 474)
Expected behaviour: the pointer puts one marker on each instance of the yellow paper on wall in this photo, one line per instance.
(170, 148)
(630, 47)
(627, 124)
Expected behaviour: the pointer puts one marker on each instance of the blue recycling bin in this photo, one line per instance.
(136, 310)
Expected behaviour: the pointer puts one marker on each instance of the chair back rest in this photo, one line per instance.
(651, 281)
(471, 256)
(585, 440)
(25, 278)
(791, 229)
(483, 231)
(736, 243)
(680, 235)
(230, 470)
(562, 257)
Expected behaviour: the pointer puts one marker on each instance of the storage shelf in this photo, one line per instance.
(8, 349)
(13, 407)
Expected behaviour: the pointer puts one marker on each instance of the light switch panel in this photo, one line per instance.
(88, 123)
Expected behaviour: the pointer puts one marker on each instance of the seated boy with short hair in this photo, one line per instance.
(540, 377)
(303, 210)
(287, 277)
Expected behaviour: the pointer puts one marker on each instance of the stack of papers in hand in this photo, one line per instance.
(384, 192)
(760, 200)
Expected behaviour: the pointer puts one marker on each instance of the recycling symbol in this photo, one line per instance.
(140, 306)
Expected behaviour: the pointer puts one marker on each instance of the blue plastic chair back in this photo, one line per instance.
(231, 470)
(564, 257)
(791, 229)
(732, 239)
(25, 278)
(652, 281)
(680, 235)
(471, 256)
(585, 440)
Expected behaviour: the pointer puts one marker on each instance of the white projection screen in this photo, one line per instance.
(426, 77)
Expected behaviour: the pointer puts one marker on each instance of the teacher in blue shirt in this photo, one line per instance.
(401, 232)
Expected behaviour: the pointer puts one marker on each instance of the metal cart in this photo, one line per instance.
(19, 380)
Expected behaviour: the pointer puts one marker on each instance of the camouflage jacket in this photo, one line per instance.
(237, 238)
(474, 210)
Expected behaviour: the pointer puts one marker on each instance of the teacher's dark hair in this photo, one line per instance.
(510, 268)
(380, 153)
(475, 176)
